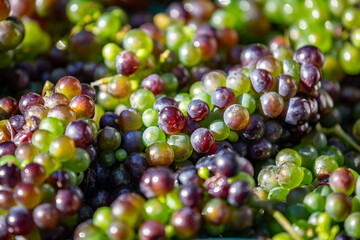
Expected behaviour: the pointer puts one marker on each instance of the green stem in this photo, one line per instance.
(282, 220)
(102, 81)
(340, 133)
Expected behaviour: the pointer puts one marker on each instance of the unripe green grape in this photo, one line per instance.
(278, 193)
(196, 88)
(222, 19)
(352, 225)
(155, 210)
(48, 162)
(239, 83)
(308, 177)
(62, 148)
(338, 206)
(351, 18)
(106, 101)
(182, 96)
(107, 25)
(152, 134)
(9, 158)
(290, 175)
(183, 105)
(42, 139)
(282, 236)
(109, 53)
(287, 155)
(324, 165)
(77, 10)
(142, 99)
(267, 178)
(181, 145)
(149, 117)
(175, 37)
(220, 130)
(292, 68)
(233, 136)
(170, 82)
(138, 42)
(308, 154)
(332, 69)
(334, 152)
(247, 101)
(102, 218)
(121, 155)
(80, 162)
(355, 37)
(349, 56)
(314, 202)
(189, 55)
(53, 125)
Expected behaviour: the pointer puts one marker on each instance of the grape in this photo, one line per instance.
(130, 119)
(138, 42)
(261, 81)
(5, 9)
(171, 120)
(239, 193)
(152, 230)
(350, 225)
(131, 141)
(67, 202)
(19, 221)
(217, 186)
(119, 230)
(142, 99)
(28, 100)
(267, 178)
(156, 182)
(189, 54)
(47, 161)
(324, 165)
(236, 117)
(69, 86)
(198, 110)
(278, 193)
(207, 45)
(80, 132)
(338, 206)
(126, 63)
(247, 101)
(314, 202)
(46, 216)
(202, 140)
(309, 54)
(239, 83)
(216, 211)
(191, 196)
(213, 80)
(251, 55)
(288, 155)
(290, 175)
(155, 210)
(151, 135)
(108, 139)
(83, 106)
(33, 173)
(6, 199)
(63, 113)
(342, 180)
(11, 34)
(62, 148)
(223, 97)
(186, 222)
(270, 64)
(122, 211)
(181, 145)
(153, 83)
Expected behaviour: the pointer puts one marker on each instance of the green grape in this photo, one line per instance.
(243, 176)
(315, 138)
(351, 18)
(220, 130)
(333, 152)
(332, 69)
(138, 42)
(9, 158)
(172, 199)
(62, 148)
(204, 173)
(120, 155)
(206, 98)
(355, 204)
(314, 202)
(152, 134)
(107, 25)
(267, 178)
(355, 37)
(102, 218)
(182, 96)
(318, 36)
(278, 193)
(337, 7)
(308, 177)
(183, 105)
(324, 165)
(107, 159)
(32, 38)
(155, 210)
(189, 55)
(106, 101)
(308, 154)
(92, 124)
(72, 177)
(301, 227)
(175, 37)
(291, 10)
(338, 206)
(290, 175)
(273, 10)
(233, 136)
(170, 82)
(196, 88)
(356, 129)
(79, 163)
(222, 19)
(296, 212)
(42, 139)
(239, 83)
(318, 10)
(142, 99)
(287, 155)
(247, 101)
(48, 193)
(349, 56)
(53, 125)
(77, 10)
(181, 145)
(109, 53)
(149, 117)
(292, 68)
(324, 190)
(352, 225)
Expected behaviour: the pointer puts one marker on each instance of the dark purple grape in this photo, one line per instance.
(6, 199)
(59, 179)
(191, 196)
(310, 75)
(177, 11)
(241, 218)
(273, 131)
(4, 232)
(7, 148)
(182, 75)
(136, 164)
(88, 90)
(296, 111)
(81, 132)
(190, 127)
(255, 129)
(108, 139)
(132, 141)
(260, 150)
(46, 216)
(186, 222)
(163, 102)
(251, 54)
(223, 97)
(154, 83)
(67, 202)
(261, 81)
(286, 86)
(10, 175)
(126, 63)
(171, 120)
(19, 221)
(202, 140)
(198, 110)
(33, 173)
(8, 107)
(29, 100)
(239, 193)
(99, 198)
(151, 230)
(109, 119)
(309, 54)
(120, 177)
(217, 186)
(188, 176)
(17, 122)
(156, 181)
(227, 163)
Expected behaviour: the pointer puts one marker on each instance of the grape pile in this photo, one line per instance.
(195, 122)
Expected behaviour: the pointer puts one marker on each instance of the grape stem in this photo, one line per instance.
(340, 133)
(278, 216)
(102, 81)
